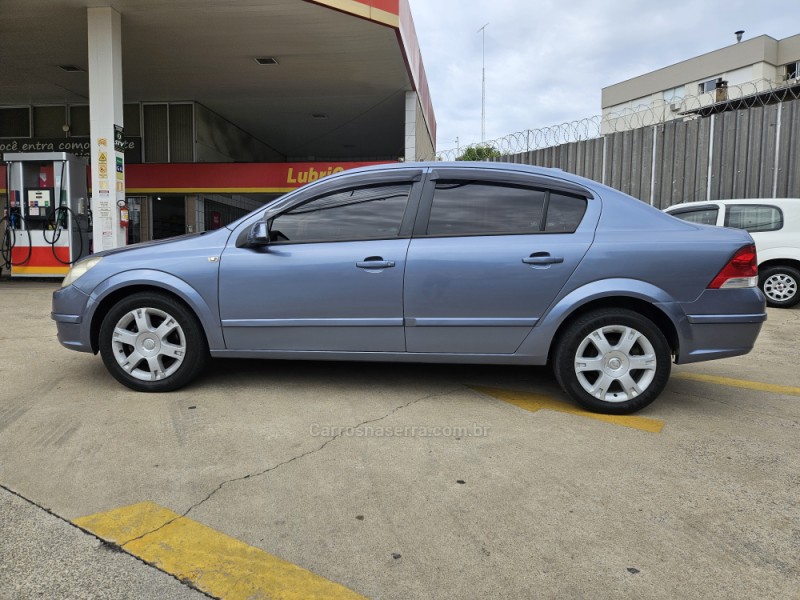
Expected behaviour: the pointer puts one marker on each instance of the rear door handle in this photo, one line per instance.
(543, 258)
(374, 262)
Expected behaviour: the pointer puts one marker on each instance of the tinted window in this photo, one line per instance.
(564, 213)
(754, 217)
(470, 208)
(357, 214)
(704, 216)
(15, 122)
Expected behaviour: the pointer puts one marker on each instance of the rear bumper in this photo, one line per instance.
(726, 319)
(719, 340)
(721, 324)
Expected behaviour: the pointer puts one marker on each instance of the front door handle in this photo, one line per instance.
(374, 262)
(543, 258)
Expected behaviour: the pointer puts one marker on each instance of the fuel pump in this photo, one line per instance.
(47, 223)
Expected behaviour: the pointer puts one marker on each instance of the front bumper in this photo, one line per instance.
(69, 307)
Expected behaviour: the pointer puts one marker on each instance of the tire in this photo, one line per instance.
(151, 342)
(780, 285)
(597, 339)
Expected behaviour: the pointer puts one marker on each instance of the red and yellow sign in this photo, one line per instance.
(390, 6)
(194, 178)
(386, 12)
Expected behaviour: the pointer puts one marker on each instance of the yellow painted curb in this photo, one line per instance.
(741, 383)
(213, 562)
(534, 402)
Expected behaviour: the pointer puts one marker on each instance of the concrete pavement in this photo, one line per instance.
(44, 556)
(405, 481)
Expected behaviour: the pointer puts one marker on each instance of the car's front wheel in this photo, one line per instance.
(780, 286)
(151, 342)
(612, 361)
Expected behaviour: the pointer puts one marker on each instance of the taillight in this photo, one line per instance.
(740, 272)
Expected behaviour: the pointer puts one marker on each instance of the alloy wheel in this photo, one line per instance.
(780, 287)
(615, 363)
(148, 344)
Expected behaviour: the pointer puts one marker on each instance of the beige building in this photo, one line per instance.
(746, 71)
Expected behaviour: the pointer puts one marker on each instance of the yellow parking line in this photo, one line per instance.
(534, 402)
(741, 383)
(213, 562)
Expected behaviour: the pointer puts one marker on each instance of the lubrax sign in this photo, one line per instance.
(310, 174)
(188, 178)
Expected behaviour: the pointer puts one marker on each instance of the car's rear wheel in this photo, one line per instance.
(612, 361)
(151, 342)
(780, 286)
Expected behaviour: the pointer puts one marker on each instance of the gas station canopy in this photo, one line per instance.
(333, 85)
(311, 86)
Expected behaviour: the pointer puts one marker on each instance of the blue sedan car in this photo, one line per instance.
(429, 262)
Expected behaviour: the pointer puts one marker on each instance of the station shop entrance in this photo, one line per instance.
(160, 216)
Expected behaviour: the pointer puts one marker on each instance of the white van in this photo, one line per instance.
(774, 224)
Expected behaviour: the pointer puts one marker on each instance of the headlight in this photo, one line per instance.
(79, 269)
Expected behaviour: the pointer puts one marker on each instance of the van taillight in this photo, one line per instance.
(740, 272)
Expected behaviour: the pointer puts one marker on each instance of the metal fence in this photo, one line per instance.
(747, 153)
(745, 147)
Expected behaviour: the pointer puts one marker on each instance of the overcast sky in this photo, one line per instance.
(547, 60)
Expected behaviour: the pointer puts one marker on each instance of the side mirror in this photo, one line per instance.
(259, 234)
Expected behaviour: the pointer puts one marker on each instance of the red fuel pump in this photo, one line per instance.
(46, 224)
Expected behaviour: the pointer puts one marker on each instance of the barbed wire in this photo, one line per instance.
(723, 98)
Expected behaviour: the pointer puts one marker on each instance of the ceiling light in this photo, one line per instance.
(71, 68)
(267, 60)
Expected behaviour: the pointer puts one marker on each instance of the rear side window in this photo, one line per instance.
(754, 217)
(564, 213)
(478, 208)
(704, 216)
(470, 208)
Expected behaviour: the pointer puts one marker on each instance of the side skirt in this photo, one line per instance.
(404, 357)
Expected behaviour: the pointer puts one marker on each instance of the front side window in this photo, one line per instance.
(703, 216)
(366, 213)
(754, 217)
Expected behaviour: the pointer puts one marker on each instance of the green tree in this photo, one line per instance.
(480, 152)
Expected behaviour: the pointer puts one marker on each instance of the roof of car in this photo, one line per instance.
(496, 166)
(473, 164)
